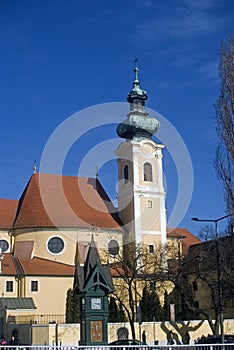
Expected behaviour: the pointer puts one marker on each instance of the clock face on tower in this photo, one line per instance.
(96, 303)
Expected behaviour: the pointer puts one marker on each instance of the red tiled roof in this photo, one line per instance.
(7, 212)
(118, 269)
(187, 237)
(23, 249)
(64, 201)
(43, 267)
(8, 266)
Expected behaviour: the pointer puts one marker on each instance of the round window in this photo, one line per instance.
(4, 245)
(55, 245)
(113, 247)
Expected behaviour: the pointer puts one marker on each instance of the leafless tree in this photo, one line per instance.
(132, 272)
(206, 280)
(224, 117)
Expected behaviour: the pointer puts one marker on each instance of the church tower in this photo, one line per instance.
(141, 195)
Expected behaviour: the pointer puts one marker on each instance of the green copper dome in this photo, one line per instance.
(138, 125)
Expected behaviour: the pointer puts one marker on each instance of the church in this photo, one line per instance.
(45, 231)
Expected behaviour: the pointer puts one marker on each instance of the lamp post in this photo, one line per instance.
(220, 294)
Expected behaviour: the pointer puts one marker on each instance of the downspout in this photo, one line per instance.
(19, 276)
(11, 240)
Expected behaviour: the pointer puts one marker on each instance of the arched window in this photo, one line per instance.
(126, 175)
(148, 174)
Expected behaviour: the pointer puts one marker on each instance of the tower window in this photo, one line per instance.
(148, 174)
(149, 204)
(151, 248)
(126, 175)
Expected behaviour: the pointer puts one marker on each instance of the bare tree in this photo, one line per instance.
(206, 233)
(224, 115)
(132, 273)
(205, 280)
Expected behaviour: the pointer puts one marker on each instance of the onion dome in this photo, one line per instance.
(138, 125)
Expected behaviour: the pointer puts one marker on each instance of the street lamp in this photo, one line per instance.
(220, 295)
(215, 221)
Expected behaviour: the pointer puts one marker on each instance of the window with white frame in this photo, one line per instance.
(55, 245)
(4, 245)
(9, 286)
(34, 286)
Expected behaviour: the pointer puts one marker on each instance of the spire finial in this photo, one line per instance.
(138, 125)
(136, 70)
(35, 167)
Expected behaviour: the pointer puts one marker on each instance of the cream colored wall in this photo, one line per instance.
(41, 237)
(70, 238)
(41, 334)
(158, 331)
(69, 334)
(148, 239)
(3, 291)
(51, 297)
(150, 217)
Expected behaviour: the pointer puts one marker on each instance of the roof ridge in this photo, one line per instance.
(46, 260)
(62, 175)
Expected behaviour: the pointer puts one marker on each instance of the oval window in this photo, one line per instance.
(113, 247)
(55, 245)
(4, 245)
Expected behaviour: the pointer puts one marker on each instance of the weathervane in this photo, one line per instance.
(136, 69)
(135, 60)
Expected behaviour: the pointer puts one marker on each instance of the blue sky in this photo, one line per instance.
(59, 57)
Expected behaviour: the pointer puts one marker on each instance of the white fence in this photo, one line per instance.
(123, 347)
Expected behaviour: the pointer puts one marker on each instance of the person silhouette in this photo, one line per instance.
(144, 337)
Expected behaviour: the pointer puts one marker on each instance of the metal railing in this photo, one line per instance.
(37, 319)
(122, 347)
